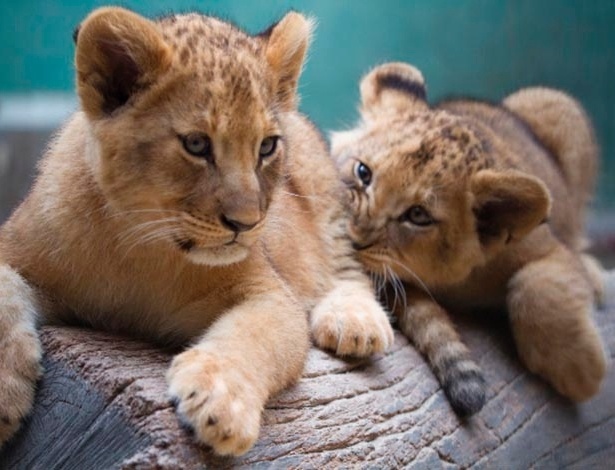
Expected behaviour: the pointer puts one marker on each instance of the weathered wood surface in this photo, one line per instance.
(102, 404)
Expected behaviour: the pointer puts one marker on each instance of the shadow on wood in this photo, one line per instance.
(102, 404)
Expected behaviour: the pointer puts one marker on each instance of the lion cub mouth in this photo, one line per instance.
(218, 256)
(228, 253)
(188, 244)
(359, 247)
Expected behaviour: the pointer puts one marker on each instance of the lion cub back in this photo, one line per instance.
(548, 134)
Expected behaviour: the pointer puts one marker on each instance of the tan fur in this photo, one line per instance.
(126, 230)
(489, 177)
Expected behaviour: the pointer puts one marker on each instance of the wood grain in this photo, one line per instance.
(102, 404)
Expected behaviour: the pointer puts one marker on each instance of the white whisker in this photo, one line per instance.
(301, 195)
(138, 229)
(383, 284)
(415, 276)
(163, 233)
(398, 288)
(145, 211)
(388, 272)
(148, 232)
(381, 280)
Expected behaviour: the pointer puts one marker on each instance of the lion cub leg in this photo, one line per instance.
(350, 321)
(550, 306)
(221, 384)
(20, 351)
(432, 332)
(595, 275)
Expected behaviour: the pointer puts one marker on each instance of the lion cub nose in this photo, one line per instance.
(235, 225)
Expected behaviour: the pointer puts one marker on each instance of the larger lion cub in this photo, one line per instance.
(187, 200)
(476, 205)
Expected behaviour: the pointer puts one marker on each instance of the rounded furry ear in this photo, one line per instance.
(392, 87)
(287, 43)
(508, 205)
(118, 53)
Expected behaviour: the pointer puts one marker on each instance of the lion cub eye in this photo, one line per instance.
(417, 215)
(198, 145)
(268, 146)
(363, 173)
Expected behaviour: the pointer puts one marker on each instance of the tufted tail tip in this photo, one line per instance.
(466, 393)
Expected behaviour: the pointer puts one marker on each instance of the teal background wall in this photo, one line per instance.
(483, 48)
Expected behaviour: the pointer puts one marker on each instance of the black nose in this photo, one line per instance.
(236, 226)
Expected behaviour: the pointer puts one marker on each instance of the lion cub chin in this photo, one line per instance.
(188, 200)
(468, 205)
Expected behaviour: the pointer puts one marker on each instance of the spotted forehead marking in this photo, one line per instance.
(197, 33)
(225, 68)
(210, 48)
(448, 146)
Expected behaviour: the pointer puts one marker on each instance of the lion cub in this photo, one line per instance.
(187, 200)
(476, 205)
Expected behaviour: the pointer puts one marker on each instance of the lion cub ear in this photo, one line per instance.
(507, 205)
(118, 53)
(287, 43)
(392, 88)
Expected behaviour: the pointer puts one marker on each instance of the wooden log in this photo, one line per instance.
(102, 404)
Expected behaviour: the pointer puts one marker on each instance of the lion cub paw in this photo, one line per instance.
(19, 370)
(215, 400)
(350, 321)
(576, 370)
(581, 374)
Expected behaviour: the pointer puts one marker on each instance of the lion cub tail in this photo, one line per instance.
(430, 329)
(563, 127)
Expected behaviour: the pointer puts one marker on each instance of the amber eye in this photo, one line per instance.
(363, 173)
(417, 215)
(268, 146)
(198, 145)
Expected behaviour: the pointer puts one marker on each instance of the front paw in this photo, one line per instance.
(19, 370)
(215, 399)
(351, 322)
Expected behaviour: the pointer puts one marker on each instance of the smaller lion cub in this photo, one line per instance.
(470, 205)
(188, 201)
